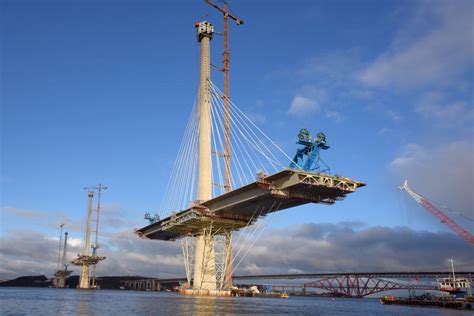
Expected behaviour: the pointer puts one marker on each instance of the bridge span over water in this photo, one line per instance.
(348, 284)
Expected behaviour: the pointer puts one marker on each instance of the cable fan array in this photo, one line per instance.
(252, 152)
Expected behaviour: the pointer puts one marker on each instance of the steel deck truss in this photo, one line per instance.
(237, 209)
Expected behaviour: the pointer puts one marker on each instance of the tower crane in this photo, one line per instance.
(225, 69)
(464, 234)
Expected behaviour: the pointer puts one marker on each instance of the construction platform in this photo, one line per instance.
(63, 273)
(87, 260)
(243, 206)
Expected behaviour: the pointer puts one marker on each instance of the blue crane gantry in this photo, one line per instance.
(307, 158)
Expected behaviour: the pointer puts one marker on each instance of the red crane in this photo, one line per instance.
(439, 214)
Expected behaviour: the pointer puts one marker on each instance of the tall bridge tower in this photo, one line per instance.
(88, 259)
(204, 255)
(205, 225)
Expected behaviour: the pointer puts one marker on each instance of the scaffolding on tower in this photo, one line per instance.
(87, 279)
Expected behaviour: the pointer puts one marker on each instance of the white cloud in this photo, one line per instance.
(435, 104)
(336, 116)
(435, 57)
(75, 243)
(450, 111)
(413, 154)
(394, 116)
(27, 213)
(303, 106)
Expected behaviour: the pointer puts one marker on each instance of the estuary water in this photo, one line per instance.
(44, 301)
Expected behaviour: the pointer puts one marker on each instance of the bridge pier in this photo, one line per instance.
(143, 285)
(205, 262)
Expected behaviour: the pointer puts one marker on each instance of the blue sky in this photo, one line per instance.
(100, 92)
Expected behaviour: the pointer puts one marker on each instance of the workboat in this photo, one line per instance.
(459, 287)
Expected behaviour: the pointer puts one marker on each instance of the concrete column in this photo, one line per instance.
(61, 282)
(229, 265)
(84, 282)
(204, 263)
(205, 168)
(64, 251)
(87, 244)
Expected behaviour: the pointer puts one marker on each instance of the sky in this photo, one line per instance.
(100, 92)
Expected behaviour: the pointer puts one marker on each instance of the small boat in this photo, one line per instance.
(459, 287)
(284, 295)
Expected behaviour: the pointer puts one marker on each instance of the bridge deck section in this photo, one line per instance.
(243, 206)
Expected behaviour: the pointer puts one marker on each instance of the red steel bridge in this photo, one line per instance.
(348, 284)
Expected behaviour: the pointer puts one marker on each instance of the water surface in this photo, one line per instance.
(44, 301)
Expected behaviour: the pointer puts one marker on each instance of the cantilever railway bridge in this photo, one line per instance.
(349, 284)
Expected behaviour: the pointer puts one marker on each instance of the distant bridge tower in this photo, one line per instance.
(62, 272)
(87, 259)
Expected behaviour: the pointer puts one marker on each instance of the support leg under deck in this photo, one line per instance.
(84, 279)
(205, 262)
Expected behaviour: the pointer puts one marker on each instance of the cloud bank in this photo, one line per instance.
(312, 247)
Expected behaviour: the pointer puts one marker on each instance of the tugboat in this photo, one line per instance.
(459, 288)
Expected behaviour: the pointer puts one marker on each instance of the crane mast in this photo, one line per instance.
(439, 214)
(225, 69)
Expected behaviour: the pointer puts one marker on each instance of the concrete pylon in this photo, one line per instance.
(84, 282)
(204, 256)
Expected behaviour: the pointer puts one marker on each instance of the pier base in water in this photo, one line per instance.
(204, 292)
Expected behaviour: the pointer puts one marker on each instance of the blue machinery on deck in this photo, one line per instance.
(307, 158)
